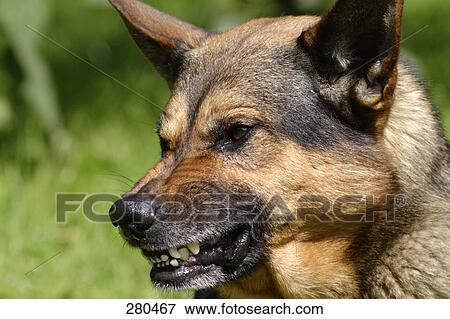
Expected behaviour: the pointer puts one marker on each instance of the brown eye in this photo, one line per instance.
(238, 132)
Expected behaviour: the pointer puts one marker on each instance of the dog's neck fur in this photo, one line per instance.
(411, 259)
(417, 154)
(415, 262)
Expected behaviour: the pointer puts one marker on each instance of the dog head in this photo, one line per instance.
(260, 115)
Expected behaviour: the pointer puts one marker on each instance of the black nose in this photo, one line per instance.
(133, 213)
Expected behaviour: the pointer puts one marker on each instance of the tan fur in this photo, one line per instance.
(174, 121)
(300, 269)
(259, 284)
(412, 118)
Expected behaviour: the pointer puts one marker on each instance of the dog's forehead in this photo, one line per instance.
(262, 31)
(245, 45)
(229, 69)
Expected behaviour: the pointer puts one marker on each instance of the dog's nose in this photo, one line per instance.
(134, 214)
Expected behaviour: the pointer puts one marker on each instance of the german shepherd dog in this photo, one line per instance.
(300, 159)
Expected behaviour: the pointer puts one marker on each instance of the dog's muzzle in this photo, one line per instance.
(184, 253)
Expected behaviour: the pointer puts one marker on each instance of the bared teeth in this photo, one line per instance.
(184, 253)
(179, 255)
(194, 247)
(174, 252)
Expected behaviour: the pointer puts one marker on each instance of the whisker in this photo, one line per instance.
(116, 174)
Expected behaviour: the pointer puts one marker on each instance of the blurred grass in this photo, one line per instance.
(111, 133)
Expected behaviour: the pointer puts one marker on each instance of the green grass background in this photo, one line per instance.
(89, 134)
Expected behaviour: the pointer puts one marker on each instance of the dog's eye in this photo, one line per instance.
(238, 132)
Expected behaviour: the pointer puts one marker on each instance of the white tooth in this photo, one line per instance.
(184, 252)
(174, 262)
(167, 262)
(174, 252)
(157, 260)
(164, 257)
(194, 247)
(153, 260)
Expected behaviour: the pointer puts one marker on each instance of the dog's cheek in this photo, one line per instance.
(313, 269)
(329, 174)
(276, 178)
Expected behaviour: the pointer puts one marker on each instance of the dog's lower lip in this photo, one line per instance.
(164, 277)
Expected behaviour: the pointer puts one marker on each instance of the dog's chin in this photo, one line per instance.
(207, 263)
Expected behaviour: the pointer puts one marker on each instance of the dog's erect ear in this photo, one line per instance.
(162, 38)
(355, 48)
